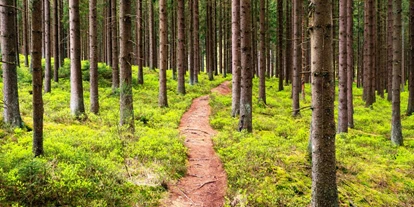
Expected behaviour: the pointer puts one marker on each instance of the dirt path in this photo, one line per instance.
(205, 182)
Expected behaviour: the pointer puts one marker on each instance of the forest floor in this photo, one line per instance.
(205, 181)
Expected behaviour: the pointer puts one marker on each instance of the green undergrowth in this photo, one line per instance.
(271, 167)
(93, 162)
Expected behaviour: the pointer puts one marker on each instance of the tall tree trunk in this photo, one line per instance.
(109, 20)
(61, 37)
(93, 57)
(191, 43)
(140, 44)
(410, 107)
(77, 106)
(25, 34)
(8, 48)
(180, 49)
(55, 40)
(288, 60)
(235, 49)
(162, 98)
(37, 78)
(324, 189)
(280, 43)
(48, 66)
(390, 26)
(126, 103)
(115, 54)
(369, 53)
(396, 133)
(196, 40)
(350, 62)
(151, 29)
(297, 55)
(343, 102)
(246, 67)
(262, 69)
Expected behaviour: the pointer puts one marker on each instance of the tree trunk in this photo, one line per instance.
(48, 66)
(180, 49)
(196, 40)
(280, 43)
(262, 69)
(342, 99)
(37, 78)
(396, 133)
(324, 189)
(109, 33)
(77, 106)
(93, 57)
(8, 49)
(350, 63)
(410, 108)
(115, 54)
(55, 40)
(288, 60)
(140, 44)
(297, 55)
(25, 34)
(162, 98)
(61, 38)
(389, 46)
(235, 49)
(126, 53)
(151, 29)
(246, 67)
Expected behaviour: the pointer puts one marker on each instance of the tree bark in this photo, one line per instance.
(77, 106)
(115, 54)
(180, 49)
(324, 189)
(342, 97)
(140, 45)
(246, 66)
(109, 33)
(93, 57)
(196, 40)
(8, 49)
(297, 55)
(162, 98)
(262, 69)
(280, 43)
(350, 63)
(389, 46)
(55, 40)
(126, 103)
(36, 52)
(152, 38)
(288, 60)
(396, 133)
(25, 34)
(48, 66)
(235, 49)
(410, 107)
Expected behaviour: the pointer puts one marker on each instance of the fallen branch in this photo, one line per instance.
(202, 185)
(182, 192)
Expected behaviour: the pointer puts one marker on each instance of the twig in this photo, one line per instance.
(202, 185)
(305, 107)
(192, 202)
(8, 6)
(11, 63)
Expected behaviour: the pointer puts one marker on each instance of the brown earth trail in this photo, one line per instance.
(205, 182)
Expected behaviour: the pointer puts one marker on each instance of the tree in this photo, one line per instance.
(93, 58)
(77, 106)
(262, 69)
(126, 104)
(180, 49)
(48, 66)
(162, 97)
(246, 67)
(390, 25)
(109, 33)
(350, 63)
(115, 55)
(396, 133)
(196, 40)
(410, 107)
(37, 78)
(297, 55)
(8, 50)
(343, 75)
(152, 38)
(25, 35)
(369, 56)
(56, 40)
(280, 42)
(140, 44)
(324, 189)
(235, 50)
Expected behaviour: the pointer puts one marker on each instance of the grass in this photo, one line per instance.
(271, 167)
(92, 162)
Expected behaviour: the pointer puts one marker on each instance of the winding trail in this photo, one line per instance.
(205, 182)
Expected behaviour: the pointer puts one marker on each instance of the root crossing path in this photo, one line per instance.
(205, 182)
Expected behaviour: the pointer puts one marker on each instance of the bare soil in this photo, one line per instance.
(205, 182)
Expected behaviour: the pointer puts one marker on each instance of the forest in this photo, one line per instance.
(207, 103)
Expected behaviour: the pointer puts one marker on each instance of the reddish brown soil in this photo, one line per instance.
(205, 182)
